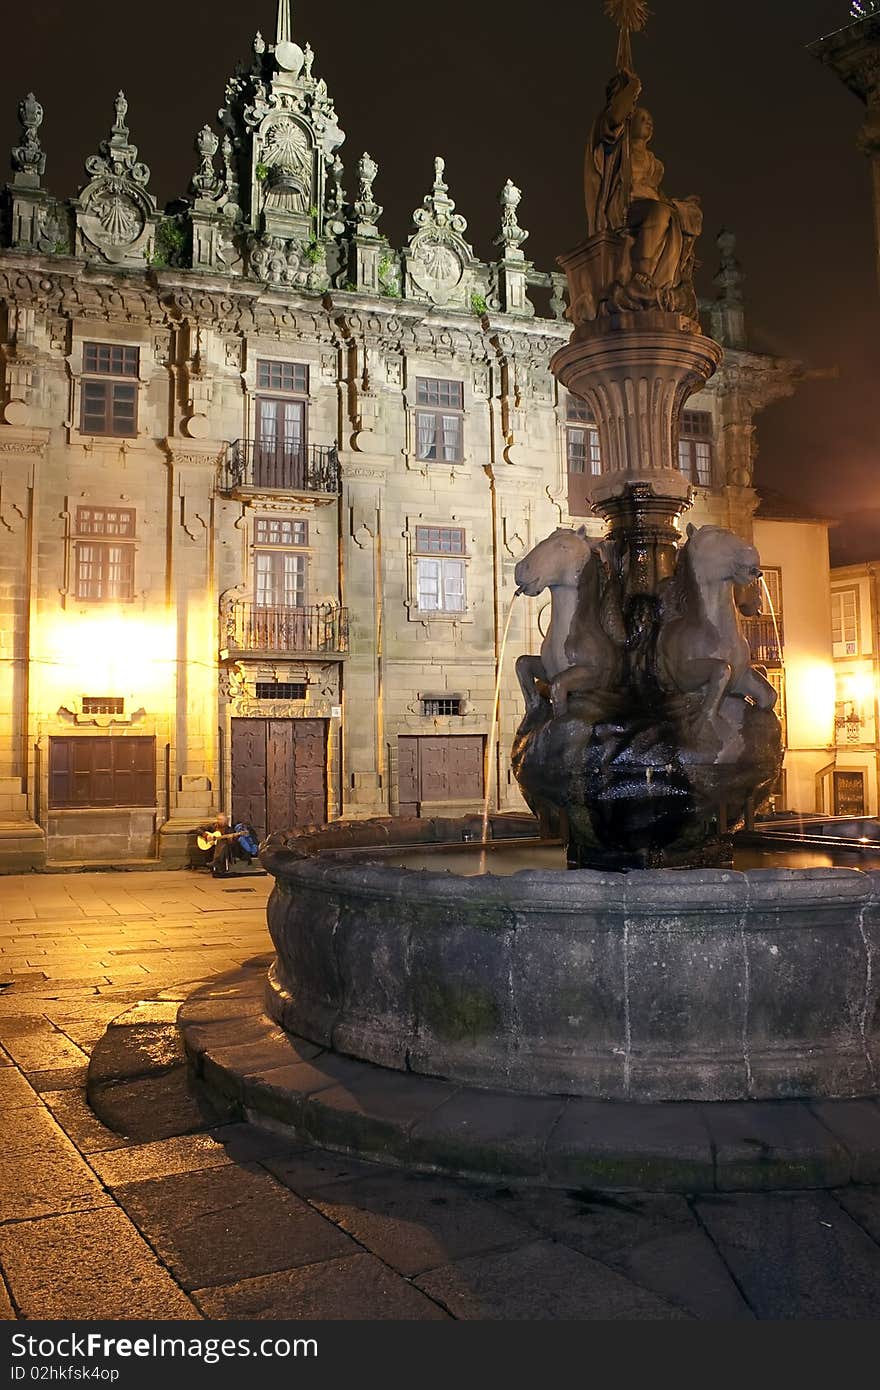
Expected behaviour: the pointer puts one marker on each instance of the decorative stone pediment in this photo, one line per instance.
(115, 209)
(438, 259)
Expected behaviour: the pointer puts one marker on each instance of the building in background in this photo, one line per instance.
(265, 478)
(853, 53)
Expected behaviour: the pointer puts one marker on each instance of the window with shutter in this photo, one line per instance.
(94, 771)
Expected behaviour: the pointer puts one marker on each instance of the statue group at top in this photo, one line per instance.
(647, 730)
(645, 240)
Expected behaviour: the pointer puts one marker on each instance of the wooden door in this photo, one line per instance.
(442, 768)
(249, 773)
(279, 773)
(408, 776)
(310, 771)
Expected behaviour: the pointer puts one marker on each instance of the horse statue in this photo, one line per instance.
(577, 653)
(701, 646)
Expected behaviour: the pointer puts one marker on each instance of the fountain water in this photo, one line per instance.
(492, 742)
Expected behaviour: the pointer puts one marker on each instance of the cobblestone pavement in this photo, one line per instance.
(189, 1214)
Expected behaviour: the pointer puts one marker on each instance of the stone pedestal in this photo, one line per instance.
(636, 372)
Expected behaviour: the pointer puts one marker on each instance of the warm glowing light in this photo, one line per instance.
(810, 701)
(100, 652)
(857, 686)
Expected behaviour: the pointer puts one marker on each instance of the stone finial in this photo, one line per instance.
(29, 158)
(117, 157)
(367, 209)
(259, 44)
(206, 183)
(512, 234)
(336, 195)
(231, 177)
(438, 208)
(308, 59)
(730, 276)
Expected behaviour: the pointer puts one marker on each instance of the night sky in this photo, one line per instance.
(745, 117)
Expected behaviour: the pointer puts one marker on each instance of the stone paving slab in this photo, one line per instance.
(229, 1223)
(358, 1288)
(541, 1281)
(89, 1265)
(654, 1240)
(46, 1183)
(415, 1224)
(795, 1255)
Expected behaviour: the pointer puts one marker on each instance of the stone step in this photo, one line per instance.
(293, 1086)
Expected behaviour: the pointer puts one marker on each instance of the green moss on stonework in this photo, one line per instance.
(457, 1013)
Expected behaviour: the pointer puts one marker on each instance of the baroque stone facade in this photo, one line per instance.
(265, 479)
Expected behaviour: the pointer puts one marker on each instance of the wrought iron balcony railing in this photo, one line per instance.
(280, 467)
(321, 630)
(767, 647)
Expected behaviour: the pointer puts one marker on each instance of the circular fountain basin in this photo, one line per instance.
(650, 986)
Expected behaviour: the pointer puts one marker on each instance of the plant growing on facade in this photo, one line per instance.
(169, 243)
(479, 305)
(262, 171)
(387, 275)
(314, 252)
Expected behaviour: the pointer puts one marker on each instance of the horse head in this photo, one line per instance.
(556, 562)
(718, 557)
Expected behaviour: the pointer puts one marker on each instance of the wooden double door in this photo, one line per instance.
(279, 773)
(436, 769)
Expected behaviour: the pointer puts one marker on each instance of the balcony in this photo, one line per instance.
(320, 631)
(253, 465)
(767, 646)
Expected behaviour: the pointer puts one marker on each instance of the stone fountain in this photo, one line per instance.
(647, 731)
(655, 973)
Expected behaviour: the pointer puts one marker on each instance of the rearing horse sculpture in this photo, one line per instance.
(701, 644)
(577, 653)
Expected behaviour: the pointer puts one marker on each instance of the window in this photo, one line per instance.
(279, 567)
(582, 439)
(283, 376)
(102, 771)
(280, 440)
(103, 704)
(773, 580)
(439, 420)
(280, 690)
(844, 622)
(109, 396)
(440, 578)
(103, 552)
(438, 707)
(696, 448)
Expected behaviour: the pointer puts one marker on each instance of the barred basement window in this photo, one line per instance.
(438, 708)
(103, 704)
(281, 690)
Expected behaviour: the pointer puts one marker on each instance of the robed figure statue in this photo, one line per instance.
(623, 191)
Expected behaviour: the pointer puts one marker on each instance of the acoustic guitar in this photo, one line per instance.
(207, 839)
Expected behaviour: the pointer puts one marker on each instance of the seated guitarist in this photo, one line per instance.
(220, 841)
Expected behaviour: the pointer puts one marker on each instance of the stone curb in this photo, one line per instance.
(430, 1125)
